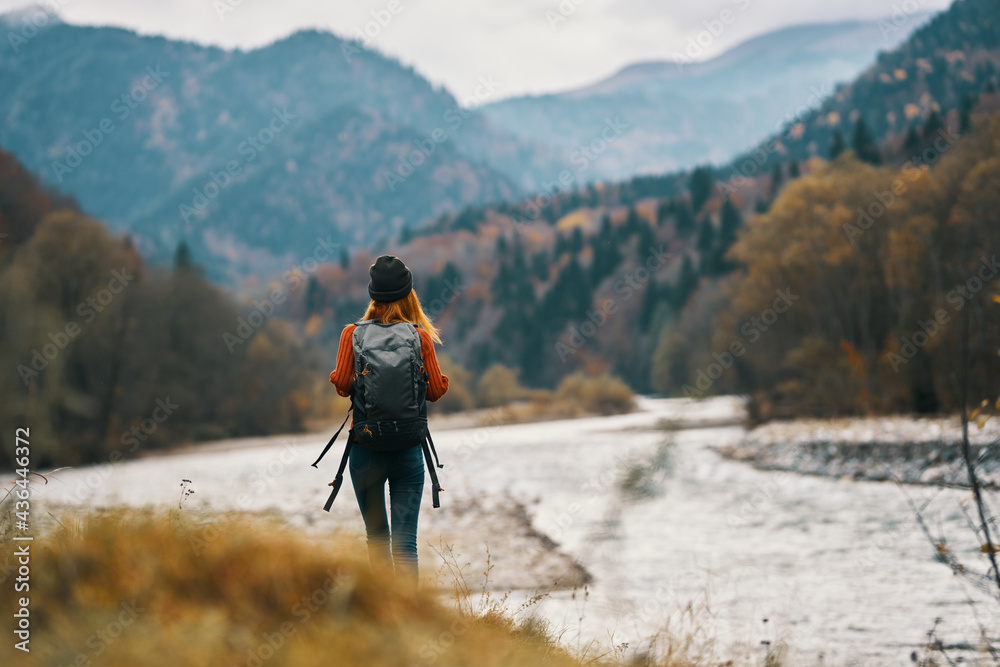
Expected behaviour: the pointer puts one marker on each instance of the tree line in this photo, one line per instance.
(104, 357)
(883, 267)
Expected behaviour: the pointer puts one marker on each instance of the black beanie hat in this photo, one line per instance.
(391, 280)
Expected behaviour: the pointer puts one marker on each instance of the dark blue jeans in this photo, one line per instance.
(404, 470)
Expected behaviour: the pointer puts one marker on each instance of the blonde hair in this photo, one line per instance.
(406, 309)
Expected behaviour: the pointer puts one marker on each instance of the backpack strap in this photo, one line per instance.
(431, 441)
(339, 479)
(330, 444)
(435, 485)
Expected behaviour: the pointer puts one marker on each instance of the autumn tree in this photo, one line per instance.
(854, 278)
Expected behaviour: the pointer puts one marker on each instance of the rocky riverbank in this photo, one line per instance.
(911, 450)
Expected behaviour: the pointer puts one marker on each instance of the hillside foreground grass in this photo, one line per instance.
(127, 587)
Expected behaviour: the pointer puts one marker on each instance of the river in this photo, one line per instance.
(678, 540)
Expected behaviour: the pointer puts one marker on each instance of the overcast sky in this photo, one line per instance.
(525, 46)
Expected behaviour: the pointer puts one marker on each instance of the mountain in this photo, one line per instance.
(681, 112)
(946, 70)
(138, 127)
(559, 282)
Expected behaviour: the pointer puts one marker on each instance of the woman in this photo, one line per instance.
(392, 301)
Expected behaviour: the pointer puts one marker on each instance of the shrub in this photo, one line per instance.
(499, 385)
(602, 394)
(460, 387)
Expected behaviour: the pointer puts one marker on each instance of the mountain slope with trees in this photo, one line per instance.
(105, 358)
(884, 302)
(558, 282)
(945, 71)
(136, 126)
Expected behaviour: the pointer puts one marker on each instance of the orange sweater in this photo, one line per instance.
(343, 375)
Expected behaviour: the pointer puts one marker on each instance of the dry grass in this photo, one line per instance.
(135, 587)
(578, 395)
(237, 590)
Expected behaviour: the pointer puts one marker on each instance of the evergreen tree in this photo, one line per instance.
(664, 210)
(576, 242)
(650, 299)
(911, 144)
(706, 237)
(518, 263)
(837, 145)
(793, 169)
(700, 186)
(605, 253)
(568, 297)
(450, 275)
(864, 144)
(467, 219)
(525, 297)
(633, 223)
(562, 245)
(533, 356)
(315, 296)
(502, 247)
(550, 214)
(684, 220)
(647, 240)
(775, 180)
(520, 307)
(501, 286)
(606, 232)
(687, 281)
(182, 257)
(730, 221)
(540, 265)
(932, 126)
(578, 289)
(345, 259)
(965, 114)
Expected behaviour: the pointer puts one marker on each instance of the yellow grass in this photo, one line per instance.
(143, 587)
(138, 588)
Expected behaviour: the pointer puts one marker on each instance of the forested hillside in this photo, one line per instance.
(947, 69)
(249, 153)
(105, 358)
(887, 265)
(639, 278)
(722, 278)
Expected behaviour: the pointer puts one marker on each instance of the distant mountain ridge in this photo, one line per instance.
(821, 41)
(371, 149)
(688, 113)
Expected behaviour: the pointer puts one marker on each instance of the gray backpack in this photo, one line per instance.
(390, 386)
(388, 397)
